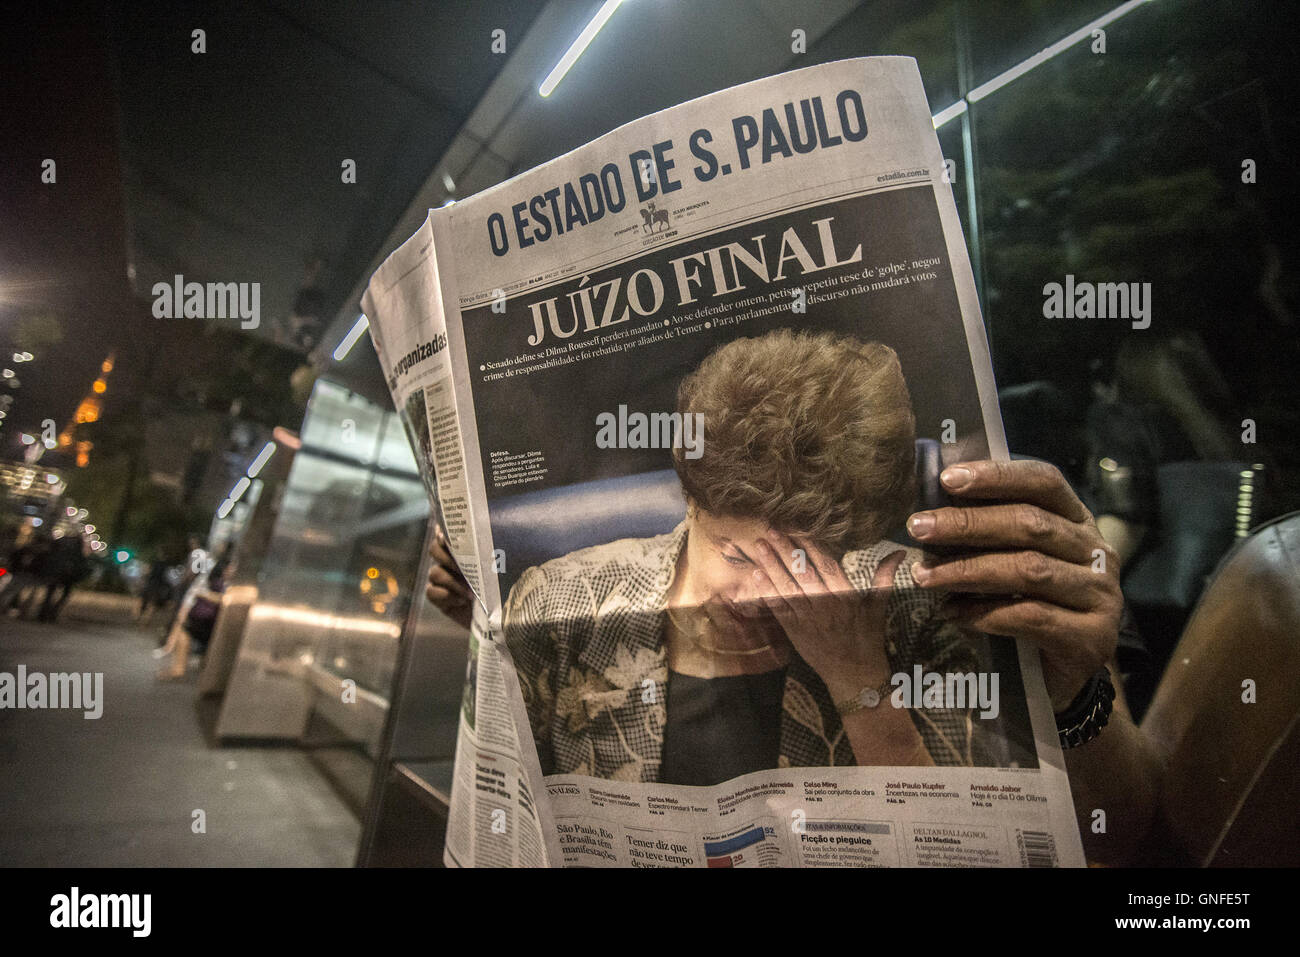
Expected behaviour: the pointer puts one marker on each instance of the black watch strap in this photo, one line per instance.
(1088, 713)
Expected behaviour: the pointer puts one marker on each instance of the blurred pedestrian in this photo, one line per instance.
(196, 617)
(65, 566)
(203, 613)
(157, 591)
(27, 569)
(197, 564)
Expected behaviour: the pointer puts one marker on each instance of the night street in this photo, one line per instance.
(121, 791)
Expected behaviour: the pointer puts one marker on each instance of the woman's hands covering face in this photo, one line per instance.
(837, 629)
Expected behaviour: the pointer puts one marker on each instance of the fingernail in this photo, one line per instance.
(921, 524)
(920, 573)
(758, 575)
(956, 478)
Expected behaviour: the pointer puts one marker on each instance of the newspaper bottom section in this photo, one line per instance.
(791, 817)
(847, 817)
(494, 819)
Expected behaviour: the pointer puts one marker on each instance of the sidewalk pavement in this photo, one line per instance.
(122, 790)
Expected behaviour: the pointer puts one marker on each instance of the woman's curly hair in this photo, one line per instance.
(812, 432)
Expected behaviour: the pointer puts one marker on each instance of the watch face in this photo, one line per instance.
(871, 697)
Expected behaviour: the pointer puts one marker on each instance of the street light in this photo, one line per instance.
(345, 346)
(577, 47)
(262, 458)
(240, 488)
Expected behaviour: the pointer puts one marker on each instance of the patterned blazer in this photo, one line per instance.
(587, 635)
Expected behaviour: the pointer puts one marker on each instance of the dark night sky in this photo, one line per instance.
(219, 167)
(62, 245)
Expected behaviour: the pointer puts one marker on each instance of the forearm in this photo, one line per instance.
(883, 735)
(1119, 774)
(886, 736)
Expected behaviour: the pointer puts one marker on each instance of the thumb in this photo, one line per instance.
(883, 580)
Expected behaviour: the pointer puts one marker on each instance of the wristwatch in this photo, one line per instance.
(866, 698)
(1088, 713)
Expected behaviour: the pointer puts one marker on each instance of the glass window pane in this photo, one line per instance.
(342, 422)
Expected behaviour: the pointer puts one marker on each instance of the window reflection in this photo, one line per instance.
(340, 571)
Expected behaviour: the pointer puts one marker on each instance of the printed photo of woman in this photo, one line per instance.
(763, 631)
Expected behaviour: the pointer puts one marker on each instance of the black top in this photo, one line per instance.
(720, 728)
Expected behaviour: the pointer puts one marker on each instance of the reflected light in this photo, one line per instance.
(240, 488)
(951, 113)
(379, 591)
(241, 594)
(290, 440)
(263, 457)
(343, 348)
(316, 619)
(577, 47)
(1045, 54)
(1039, 58)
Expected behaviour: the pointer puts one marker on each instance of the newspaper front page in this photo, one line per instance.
(675, 394)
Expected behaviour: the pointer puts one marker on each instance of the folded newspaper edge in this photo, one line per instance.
(781, 157)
